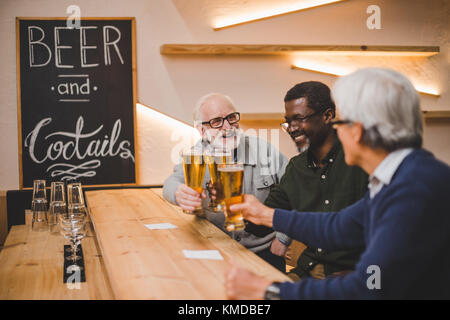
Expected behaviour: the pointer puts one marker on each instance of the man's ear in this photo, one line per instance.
(328, 115)
(357, 132)
(199, 127)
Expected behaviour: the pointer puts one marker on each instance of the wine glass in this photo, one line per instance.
(75, 203)
(39, 206)
(73, 228)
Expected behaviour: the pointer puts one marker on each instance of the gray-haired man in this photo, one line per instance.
(218, 123)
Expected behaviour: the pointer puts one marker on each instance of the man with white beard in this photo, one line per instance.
(218, 123)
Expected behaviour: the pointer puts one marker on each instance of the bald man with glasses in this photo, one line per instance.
(217, 121)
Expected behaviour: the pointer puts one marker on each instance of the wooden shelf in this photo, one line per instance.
(246, 117)
(279, 49)
(438, 114)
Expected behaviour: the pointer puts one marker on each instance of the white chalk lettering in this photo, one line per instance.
(107, 44)
(58, 48)
(84, 47)
(32, 43)
(67, 148)
(41, 58)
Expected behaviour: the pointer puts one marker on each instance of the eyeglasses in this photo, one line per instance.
(297, 120)
(336, 123)
(217, 123)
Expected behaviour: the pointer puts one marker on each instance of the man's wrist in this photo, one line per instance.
(269, 217)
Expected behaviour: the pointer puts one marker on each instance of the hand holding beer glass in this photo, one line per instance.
(194, 168)
(231, 178)
(213, 159)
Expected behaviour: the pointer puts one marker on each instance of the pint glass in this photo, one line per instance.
(232, 177)
(194, 168)
(213, 159)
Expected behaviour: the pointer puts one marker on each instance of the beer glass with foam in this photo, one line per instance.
(232, 180)
(194, 167)
(213, 159)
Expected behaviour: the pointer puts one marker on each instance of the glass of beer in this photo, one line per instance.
(213, 159)
(232, 179)
(194, 168)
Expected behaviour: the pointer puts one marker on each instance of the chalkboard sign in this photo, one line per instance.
(76, 100)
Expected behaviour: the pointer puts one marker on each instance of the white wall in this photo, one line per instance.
(257, 84)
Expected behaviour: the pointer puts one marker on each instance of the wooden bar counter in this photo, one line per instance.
(126, 260)
(31, 267)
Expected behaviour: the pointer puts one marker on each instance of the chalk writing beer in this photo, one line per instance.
(213, 159)
(194, 168)
(232, 177)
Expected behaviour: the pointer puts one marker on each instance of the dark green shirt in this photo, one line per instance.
(307, 187)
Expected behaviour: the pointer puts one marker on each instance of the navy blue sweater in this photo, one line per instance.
(405, 229)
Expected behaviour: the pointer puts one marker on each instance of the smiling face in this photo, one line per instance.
(226, 137)
(310, 133)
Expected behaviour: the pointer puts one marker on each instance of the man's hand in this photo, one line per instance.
(254, 211)
(187, 198)
(318, 272)
(241, 284)
(278, 248)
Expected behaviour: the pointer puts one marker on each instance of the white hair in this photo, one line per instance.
(387, 105)
(197, 110)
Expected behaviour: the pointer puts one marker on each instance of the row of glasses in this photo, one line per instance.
(69, 220)
(225, 187)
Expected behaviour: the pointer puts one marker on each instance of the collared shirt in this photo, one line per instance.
(383, 174)
(332, 187)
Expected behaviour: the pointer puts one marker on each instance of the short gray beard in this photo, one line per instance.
(232, 141)
(305, 147)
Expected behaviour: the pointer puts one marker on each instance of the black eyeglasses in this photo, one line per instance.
(297, 119)
(336, 123)
(217, 123)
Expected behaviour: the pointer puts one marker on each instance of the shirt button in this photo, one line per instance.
(323, 176)
(319, 250)
(266, 183)
(327, 201)
(331, 160)
(310, 264)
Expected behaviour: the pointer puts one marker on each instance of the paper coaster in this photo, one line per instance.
(203, 254)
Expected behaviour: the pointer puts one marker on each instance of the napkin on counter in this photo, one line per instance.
(160, 226)
(203, 254)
